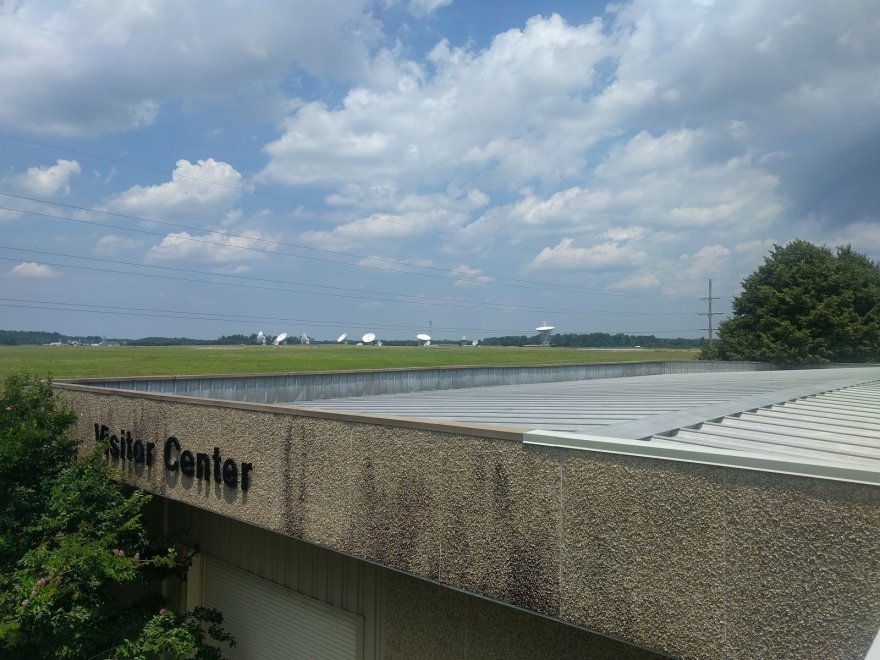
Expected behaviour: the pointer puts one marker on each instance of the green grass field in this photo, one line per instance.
(87, 361)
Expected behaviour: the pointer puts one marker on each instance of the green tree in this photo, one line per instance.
(78, 570)
(806, 304)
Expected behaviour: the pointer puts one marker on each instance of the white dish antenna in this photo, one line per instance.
(280, 338)
(261, 338)
(423, 337)
(475, 342)
(368, 338)
(544, 331)
(305, 339)
(342, 338)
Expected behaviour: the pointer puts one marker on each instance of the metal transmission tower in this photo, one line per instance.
(709, 314)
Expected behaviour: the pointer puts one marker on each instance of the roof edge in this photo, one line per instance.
(838, 471)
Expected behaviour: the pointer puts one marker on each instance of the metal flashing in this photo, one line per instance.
(839, 471)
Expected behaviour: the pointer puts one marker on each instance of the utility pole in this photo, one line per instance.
(710, 313)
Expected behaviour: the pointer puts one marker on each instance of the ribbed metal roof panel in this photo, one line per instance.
(596, 406)
(838, 425)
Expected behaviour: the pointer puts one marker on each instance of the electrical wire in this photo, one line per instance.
(493, 280)
(413, 299)
(89, 308)
(258, 193)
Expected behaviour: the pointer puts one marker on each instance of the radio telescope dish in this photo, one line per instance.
(423, 337)
(342, 338)
(280, 339)
(475, 342)
(368, 338)
(261, 338)
(544, 331)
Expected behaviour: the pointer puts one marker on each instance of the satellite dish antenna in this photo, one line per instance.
(424, 338)
(342, 338)
(368, 338)
(280, 339)
(544, 331)
(475, 342)
(305, 339)
(261, 338)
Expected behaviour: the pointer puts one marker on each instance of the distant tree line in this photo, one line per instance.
(595, 340)
(38, 338)
(588, 340)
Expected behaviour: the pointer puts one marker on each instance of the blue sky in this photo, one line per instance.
(206, 168)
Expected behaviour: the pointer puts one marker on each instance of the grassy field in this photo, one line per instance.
(86, 361)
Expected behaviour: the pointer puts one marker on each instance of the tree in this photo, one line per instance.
(806, 304)
(78, 569)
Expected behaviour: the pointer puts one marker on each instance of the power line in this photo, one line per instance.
(415, 299)
(199, 316)
(251, 191)
(451, 275)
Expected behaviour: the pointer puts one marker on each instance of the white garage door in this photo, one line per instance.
(269, 621)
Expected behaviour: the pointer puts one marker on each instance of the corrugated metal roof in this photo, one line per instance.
(839, 425)
(634, 407)
(822, 416)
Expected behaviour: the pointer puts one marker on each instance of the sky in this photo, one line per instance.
(401, 166)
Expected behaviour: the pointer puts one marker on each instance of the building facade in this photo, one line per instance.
(349, 534)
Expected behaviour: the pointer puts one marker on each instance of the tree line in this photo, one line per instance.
(595, 340)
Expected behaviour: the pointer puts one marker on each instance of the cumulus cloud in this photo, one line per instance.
(246, 245)
(470, 277)
(110, 66)
(402, 217)
(49, 180)
(33, 270)
(426, 7)
(566, 255)
(113, 244)
(638, 281)
(389, 263)
(460, 112)
(204, 186)
(694, 123)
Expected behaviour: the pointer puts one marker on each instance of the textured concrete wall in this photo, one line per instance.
(424, 620)
(693, 560)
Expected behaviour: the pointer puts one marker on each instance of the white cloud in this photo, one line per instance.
(205, 186)
(426, 7)
(638, 281)
(112, 244)
(704, 262)
(470, 277)
(31, 269)
(402, 217)
(566, 255)
(246, 245)
(49, 180)
(496, 112)
(110, 66)
(389, 263)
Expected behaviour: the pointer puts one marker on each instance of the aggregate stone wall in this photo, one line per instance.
(691, 560)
